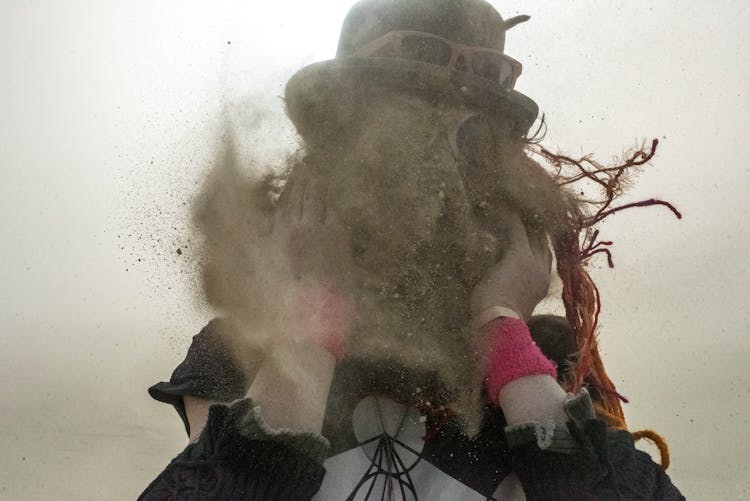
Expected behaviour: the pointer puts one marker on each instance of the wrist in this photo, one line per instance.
(511, 354)
(487, 315)
(334, 344)
(319, 316)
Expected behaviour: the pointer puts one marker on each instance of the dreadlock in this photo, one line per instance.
(575, 242)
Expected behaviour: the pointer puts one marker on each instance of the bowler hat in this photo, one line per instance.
(321, 97)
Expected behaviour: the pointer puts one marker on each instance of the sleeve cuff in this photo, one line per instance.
(252, 426)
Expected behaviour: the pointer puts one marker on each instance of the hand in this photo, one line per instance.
(316, 246)
(518, 282)
(310, 234)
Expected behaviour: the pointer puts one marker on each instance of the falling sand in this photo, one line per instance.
(403, 214)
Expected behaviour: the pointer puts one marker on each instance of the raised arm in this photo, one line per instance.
(561, 451)
(267, 445)
(520, 379)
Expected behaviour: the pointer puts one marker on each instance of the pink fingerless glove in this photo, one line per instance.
(322, 316)
(511, 354)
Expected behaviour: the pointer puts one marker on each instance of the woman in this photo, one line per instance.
(376, 342)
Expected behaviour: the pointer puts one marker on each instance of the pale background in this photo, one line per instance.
(109, 116)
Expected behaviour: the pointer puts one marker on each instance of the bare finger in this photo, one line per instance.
(539, 245)
(519, 238)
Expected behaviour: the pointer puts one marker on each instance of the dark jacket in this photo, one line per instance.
(238, 457)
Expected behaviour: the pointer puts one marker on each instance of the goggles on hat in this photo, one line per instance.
(428, 48)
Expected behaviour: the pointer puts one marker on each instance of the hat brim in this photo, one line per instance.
(319, 95)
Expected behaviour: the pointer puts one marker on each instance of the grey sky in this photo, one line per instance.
(111, 111)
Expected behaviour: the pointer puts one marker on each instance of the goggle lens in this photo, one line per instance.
(426, 50)
(492, 66)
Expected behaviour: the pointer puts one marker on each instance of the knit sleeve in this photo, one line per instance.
(239, 457)
(586, 461)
